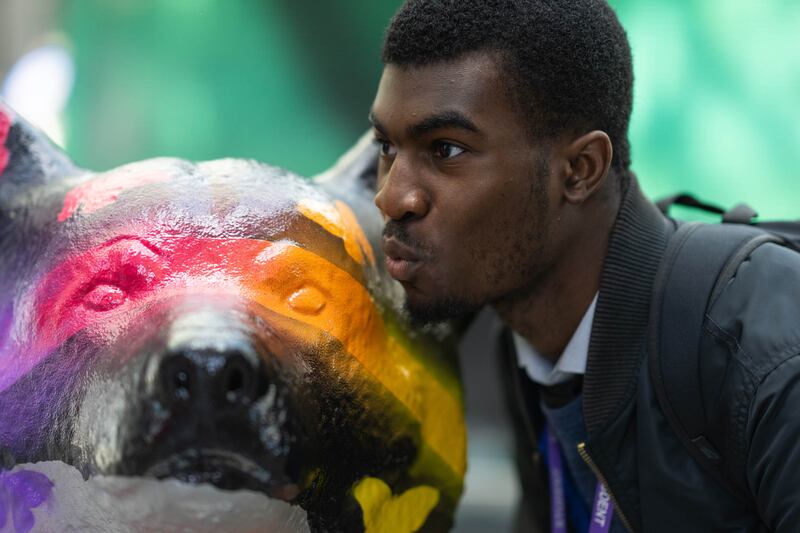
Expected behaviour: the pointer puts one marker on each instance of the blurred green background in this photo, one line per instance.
(717, 99)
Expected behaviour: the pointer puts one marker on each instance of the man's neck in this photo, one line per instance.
(548, 316)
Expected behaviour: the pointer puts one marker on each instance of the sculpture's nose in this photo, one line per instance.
(208, 379)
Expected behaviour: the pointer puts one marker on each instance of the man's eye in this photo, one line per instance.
(445, 150)
(387, 148)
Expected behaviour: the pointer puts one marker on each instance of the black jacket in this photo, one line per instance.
(749, 369)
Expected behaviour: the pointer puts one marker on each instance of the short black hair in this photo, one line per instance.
(568, 61)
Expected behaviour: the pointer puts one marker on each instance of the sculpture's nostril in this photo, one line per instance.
(180, 383)
(177, 377)
(234, 381)
(237, 380)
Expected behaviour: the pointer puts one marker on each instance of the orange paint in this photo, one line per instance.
(340, 221)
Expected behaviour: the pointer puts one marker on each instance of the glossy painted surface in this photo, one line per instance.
(223, 322)
(20, 492)
(5, 124)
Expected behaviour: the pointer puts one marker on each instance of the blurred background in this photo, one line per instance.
(289, 82)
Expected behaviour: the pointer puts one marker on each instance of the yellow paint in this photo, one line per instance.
(339, 220)
(350, 315)
(385, 513)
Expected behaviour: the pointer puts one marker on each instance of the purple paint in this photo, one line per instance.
(6, 314)
(4, 505)
(20, 492)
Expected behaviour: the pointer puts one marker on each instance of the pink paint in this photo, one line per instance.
(104, 290)
(5, 126)
(105, 189)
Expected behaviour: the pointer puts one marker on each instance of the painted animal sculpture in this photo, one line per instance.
(224, 322)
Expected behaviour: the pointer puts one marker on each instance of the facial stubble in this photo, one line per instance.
(519, 261)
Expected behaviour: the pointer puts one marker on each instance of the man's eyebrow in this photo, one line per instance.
(376, 123)
(446, 119)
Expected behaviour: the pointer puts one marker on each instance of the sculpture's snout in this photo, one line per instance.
(210, 380)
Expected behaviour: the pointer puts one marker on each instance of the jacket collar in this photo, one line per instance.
(637, 242)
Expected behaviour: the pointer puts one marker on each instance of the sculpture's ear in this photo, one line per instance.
(27, 156)
(33, 180)
(357, 169)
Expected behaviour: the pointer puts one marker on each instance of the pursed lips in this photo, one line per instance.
(401, 260)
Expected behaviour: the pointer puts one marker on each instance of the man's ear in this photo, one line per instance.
(590, 158)
(27, 156)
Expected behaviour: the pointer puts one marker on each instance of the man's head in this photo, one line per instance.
(496, 120)
(566, 63)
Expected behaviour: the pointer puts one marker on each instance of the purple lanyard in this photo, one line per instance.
(602, 509)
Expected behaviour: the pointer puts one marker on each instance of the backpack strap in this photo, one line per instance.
(738, 214)
(699, 261)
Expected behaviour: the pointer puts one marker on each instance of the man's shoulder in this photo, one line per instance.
(757, 315)
(747, 354)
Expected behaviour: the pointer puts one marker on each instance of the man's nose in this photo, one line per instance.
(400, 195)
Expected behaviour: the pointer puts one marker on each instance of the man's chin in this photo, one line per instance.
(428, 313)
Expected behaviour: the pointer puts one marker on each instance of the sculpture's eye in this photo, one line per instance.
(308, 299)
(104, 297)
(119, 276)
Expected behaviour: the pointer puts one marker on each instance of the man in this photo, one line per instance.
(504, 180)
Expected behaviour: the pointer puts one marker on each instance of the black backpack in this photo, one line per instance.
(700, 259)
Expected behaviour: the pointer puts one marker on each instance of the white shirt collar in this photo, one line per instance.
(572, 361)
